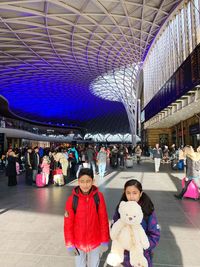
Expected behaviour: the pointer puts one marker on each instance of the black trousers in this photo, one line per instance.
(185, 188)
(12, 180)
(29, 176)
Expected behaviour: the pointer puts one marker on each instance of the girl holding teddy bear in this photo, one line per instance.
(133, 192)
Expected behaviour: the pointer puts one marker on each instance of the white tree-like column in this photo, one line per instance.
(120, 85)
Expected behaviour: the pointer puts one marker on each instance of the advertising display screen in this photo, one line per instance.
(184, 79)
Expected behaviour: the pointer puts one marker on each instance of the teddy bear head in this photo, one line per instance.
(130, 212)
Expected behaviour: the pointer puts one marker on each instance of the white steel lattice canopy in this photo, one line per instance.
(52, 53)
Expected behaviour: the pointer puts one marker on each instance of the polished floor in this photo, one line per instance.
(31, 219)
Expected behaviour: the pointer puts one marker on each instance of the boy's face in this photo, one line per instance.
(85, 182)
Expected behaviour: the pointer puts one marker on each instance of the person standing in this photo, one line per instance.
(122, 155)
(45, 166)
(11, 169)
(138, 153)
(73, 160)
(114, 157)
(35, 162)
(86, 229)
(157, 156)
(28, 166)
(133, 192)
(90, 158)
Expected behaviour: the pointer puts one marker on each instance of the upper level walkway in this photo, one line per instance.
(31, 219)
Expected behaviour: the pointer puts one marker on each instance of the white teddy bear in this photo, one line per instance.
(127, 234)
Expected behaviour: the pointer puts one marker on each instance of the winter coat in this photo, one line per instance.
(45, 166)
(28, 160)
(138, 151)
(64, 163)
(157, 153)
(87, 228)
(35, 161)
(152, 231)
(11, 167)
(90, 154)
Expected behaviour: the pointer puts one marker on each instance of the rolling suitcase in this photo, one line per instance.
(129, 162)
(40, 180)
(180, 165)
(192, 190)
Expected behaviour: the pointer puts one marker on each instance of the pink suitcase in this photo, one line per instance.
(40, 180)
(192, 191)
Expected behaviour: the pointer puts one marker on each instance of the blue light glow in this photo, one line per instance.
(55, 102)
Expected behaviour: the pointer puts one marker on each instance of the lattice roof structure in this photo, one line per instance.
(56, 55)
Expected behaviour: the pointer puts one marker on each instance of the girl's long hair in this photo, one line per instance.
(145, 201)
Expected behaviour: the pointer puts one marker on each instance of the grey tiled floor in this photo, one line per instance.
(31, 219)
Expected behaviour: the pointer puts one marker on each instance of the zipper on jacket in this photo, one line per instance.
(87, 220)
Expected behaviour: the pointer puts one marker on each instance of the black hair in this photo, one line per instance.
(145, 201)
(86, 171)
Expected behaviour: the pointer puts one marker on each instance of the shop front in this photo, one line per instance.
(194, 131)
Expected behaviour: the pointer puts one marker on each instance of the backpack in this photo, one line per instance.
(75, 202)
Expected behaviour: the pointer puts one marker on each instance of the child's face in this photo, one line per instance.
(85, 182)
(133, 193)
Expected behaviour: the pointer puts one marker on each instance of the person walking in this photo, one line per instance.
(101, 159)
(157, 156)
(192, 169)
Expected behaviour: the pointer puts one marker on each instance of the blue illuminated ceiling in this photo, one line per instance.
(52, 51)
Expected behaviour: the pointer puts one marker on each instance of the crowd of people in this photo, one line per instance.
(70, 160)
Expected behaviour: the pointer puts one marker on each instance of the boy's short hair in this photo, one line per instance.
(86, 171)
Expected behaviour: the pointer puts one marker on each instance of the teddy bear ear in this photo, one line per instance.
(121, 205)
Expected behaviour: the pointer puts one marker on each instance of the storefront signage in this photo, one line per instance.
(194, 129)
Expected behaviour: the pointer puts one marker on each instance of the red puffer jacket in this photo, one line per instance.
(86, 229)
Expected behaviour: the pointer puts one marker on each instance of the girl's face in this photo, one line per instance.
(132, 193)
(85, 182)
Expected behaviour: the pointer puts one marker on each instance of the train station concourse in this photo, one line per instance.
(80, 77)
(31, 219)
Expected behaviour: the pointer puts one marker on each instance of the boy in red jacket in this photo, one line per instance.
(86, 227)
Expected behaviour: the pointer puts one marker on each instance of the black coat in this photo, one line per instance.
(35, 161)
(11, 167)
